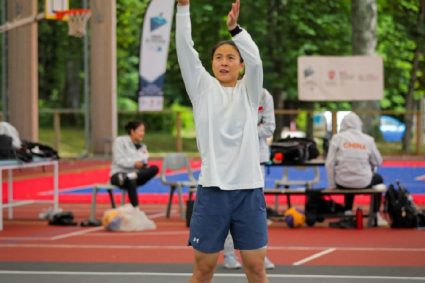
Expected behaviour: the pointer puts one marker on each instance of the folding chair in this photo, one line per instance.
(174, 162)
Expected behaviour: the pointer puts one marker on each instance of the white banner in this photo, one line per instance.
(154, 45)
(328, 78)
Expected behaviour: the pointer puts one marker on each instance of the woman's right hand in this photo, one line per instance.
(139, 165)
(183, 2)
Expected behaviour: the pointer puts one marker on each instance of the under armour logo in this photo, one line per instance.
(195, 240)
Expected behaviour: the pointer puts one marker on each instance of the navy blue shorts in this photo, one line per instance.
(216, 212)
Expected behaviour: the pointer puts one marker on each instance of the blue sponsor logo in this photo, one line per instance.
(157, 22)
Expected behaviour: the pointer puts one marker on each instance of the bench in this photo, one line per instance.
(378, 189)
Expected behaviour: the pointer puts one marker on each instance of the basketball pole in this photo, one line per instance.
(4, 98)
(87, 129)
(8, 26)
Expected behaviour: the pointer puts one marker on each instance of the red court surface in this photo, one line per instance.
(28, 243)
(27, 239)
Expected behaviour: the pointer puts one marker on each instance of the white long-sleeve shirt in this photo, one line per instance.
(266, 124)
(225, 117)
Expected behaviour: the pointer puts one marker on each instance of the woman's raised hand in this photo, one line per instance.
(232, 17)
(183, 2)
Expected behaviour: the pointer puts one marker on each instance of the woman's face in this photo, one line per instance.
(137, 134)
(227, 65)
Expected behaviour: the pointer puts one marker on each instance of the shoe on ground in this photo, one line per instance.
(230, 262)
(268, 264)
(380, 221)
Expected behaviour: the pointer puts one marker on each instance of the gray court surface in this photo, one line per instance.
(179, 273)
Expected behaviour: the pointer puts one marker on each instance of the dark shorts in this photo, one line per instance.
(216, 212)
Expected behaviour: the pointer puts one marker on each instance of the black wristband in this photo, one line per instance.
(235, 31)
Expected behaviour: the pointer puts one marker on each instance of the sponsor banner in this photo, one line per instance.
(155, 41)
(345, 78)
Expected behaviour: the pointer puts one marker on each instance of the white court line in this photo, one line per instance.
(86, 231)
(110, 247)
(142, 233)
(314, 256)
(61, 190)
(240, 275)
(76, 233)
(156, 215)
(364, 249)
(420, 178)
(184, 247)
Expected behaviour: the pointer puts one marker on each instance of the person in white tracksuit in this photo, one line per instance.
(353, 159)
(266, 127)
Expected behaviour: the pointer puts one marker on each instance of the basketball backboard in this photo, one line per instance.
(51, 6)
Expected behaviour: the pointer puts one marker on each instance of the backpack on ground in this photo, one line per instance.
(318, 207)
(400, 208)
(293, 150)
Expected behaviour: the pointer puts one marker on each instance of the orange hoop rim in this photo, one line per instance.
(61, 14)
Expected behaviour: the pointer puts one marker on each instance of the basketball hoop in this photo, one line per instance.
(77, 20)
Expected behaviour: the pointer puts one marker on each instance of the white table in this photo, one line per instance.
(10, 165)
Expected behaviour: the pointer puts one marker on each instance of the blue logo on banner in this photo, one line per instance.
(157, 22)
(151, 88)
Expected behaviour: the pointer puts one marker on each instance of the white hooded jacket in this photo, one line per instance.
(352, 155)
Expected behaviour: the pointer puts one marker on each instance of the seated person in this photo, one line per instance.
(130, 167)
(352, 160)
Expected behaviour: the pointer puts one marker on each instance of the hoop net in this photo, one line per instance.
(77, 20)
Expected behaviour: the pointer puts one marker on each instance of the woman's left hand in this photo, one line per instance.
(232, 17)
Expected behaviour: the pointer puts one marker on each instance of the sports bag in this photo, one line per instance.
(7, 151)
(293, 150)
(40, 150)
(400, 207)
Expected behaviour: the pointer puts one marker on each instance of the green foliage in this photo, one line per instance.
(283, 30)
(188, 123)
(126, 104)
(130, 15)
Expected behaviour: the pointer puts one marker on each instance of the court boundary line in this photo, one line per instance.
(183, 247)
(314, 256)
(87, 231)
(76, 233)
(81, 273)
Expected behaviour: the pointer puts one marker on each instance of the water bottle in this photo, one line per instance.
(359, 218)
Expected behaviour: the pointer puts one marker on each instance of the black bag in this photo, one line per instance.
(293, 150)
(7, 151)
(400, 207)
(317, 207)
(65, 218)
(6, 148)
(41, 150)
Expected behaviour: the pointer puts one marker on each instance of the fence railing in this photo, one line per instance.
(66, 129)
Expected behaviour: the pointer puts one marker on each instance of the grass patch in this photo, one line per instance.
(73, 144)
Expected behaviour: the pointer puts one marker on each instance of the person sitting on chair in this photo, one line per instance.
(352, 160)
(130, 167)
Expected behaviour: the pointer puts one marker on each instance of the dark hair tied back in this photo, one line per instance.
(228, 42)
(132, 125)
